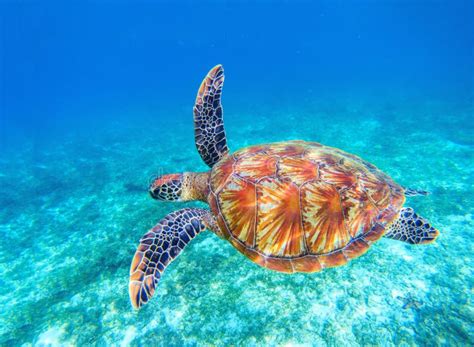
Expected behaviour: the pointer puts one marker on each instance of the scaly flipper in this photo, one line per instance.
(160, 246)
(411, 228)
(209, 132)
(415, 192)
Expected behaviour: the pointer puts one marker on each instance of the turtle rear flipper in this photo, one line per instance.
(209, 132)
(415, 192)
(159, 247)
(411, 228)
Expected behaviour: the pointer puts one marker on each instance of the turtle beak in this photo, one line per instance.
(167, 188)
(153, 193)
(154, 189)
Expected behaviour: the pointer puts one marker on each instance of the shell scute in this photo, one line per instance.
(323, 218)
(374, 234)
(249, 151)
(298, 170)
(378, 191)
(356, 248)
(279, 230)
(290, 148)
(309, 263)
(221, 173)
(279, 264)
(323, 156)
(256, 166)
(239, 202)
(333, 259)
(359, 211)
(340, 177)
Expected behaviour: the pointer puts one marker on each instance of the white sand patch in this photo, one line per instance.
(322, 311)
(455, 218)
(234, 324)
(130, 334)
(396, 293)
(51, 337)
(173, 317)
(293, 344)
(420, 284)
(360, 311)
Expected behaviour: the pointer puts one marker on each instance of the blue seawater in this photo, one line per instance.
(96, 98)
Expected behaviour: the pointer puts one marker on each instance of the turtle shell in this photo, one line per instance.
(300, 206)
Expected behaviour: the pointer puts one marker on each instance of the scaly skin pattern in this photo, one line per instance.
(300, 206)
(168, 187)
(209, 132)
(411, 228)
(160, 246)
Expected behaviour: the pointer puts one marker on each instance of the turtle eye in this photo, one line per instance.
(167, 188)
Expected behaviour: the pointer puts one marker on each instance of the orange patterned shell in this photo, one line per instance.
(300, 206)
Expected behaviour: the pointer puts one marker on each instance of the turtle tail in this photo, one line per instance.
(415, 192)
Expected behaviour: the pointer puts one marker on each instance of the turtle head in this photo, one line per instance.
(181, 187)
(167, 187)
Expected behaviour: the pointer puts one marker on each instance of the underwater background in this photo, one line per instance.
(96, 98)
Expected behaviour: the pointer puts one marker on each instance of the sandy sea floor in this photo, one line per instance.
(73, 211)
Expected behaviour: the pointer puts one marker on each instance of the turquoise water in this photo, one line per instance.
(67, 247)
(96, 99)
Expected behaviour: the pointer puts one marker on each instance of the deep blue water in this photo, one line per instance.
(96, 98)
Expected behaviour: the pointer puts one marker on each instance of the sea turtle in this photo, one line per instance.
(291, 206)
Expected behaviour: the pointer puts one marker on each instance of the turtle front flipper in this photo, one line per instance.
(159, 247)
(209, 132)
(411, 228)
